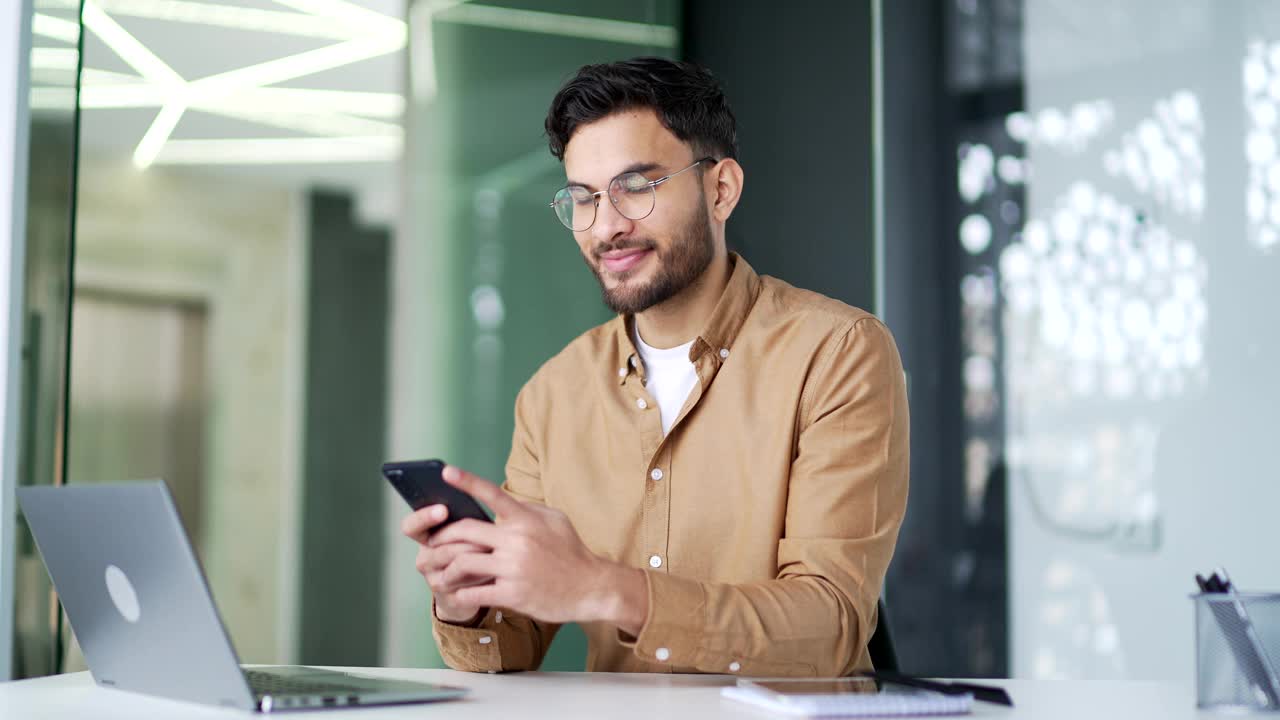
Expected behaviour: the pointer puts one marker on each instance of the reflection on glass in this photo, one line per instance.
(1261, 72)
(55, 64)
(1135, 338)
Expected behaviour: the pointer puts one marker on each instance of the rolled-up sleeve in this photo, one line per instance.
(846, 499)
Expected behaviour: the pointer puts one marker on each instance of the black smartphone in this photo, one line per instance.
(420, 483)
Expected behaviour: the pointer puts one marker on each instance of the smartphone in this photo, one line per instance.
(420, 483)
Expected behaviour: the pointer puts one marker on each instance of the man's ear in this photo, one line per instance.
(726, 188)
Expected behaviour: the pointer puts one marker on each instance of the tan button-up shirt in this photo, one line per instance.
(766, 535)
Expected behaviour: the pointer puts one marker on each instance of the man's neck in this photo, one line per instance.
(678, 320)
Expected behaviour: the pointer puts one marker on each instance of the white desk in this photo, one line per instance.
(599, 696)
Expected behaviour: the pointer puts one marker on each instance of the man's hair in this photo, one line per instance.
(686, 97)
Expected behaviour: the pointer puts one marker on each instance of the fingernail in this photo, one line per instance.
(449, 472)
(439, 512)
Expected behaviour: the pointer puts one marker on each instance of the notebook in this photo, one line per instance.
(845, 697)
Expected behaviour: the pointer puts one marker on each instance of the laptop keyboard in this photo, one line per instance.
(266, 683)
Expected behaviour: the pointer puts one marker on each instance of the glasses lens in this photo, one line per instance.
(575, 207)
(632, 194)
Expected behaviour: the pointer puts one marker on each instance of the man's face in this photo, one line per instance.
(641, 263)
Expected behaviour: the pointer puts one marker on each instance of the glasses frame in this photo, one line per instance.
(651, 185)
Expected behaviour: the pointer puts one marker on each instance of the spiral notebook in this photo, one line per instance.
(845, 697)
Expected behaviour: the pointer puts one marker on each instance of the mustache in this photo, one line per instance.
(600, 250)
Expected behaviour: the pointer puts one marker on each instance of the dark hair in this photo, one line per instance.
(686, 97)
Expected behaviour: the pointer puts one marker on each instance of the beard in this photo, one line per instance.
(679, 266)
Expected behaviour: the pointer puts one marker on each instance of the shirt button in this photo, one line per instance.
(724, 353)
(655, 561)
(485, 639)
(498, 617)
(640, 403)
(656, 474)
(622, 372)
(662, 654)
(734, 667)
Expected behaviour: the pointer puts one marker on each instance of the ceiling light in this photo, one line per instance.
(127, 47)
(55, 28)
(158, 134)
(46, 58)
(286, 150)
(618, 31)
(228, 16)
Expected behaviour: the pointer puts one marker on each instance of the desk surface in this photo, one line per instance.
(598, 696)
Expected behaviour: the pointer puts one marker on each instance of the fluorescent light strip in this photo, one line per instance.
(364, 104)
(107, 92)
(127, 47)
(55, 28)
(93, 76)
(106, 97)
(53, 98)
(281, 151)
(150, 67)
(44, 58)
(58, 78)
(352, 15)
(203, 13)
(232, 93)
(157, 134)
(295, 66)
(618, 31)
(329, 124)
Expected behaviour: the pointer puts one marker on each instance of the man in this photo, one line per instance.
(714, 480)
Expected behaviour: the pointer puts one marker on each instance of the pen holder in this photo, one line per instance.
(1236, 651)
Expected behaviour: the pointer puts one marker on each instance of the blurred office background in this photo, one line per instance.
(272, 243)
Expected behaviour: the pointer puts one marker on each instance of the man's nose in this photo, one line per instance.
(609, 222)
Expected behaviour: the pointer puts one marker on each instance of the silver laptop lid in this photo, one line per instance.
(133, 591)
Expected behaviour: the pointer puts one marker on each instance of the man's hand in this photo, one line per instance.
(433, 560)
(531, 561)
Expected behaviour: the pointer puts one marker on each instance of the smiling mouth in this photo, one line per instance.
(620, 261)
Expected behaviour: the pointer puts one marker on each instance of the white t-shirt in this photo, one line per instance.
(670, 376)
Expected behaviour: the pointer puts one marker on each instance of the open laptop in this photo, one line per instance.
(138, 602)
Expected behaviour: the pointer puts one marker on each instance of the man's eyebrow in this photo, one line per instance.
(637, 167)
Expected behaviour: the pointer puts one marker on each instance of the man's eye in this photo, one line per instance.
(634, 183)
(580, 196)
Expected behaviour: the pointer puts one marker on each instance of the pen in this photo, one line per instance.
(985, 693)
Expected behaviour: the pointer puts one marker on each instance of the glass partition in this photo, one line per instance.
(236, 200)
(55, 66)
(489, 284)
(1119, 264)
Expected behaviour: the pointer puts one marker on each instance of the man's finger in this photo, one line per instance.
(466, 570)
(434, 559)
(418, 524)
(494, 595)
(483, 534)
(502, 504)
(440, 585)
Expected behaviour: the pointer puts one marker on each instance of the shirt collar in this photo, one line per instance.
(720, 331)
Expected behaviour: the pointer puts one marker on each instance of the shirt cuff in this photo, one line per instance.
(474, 648)
(672, 630)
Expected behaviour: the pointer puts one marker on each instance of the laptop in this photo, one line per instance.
(139, 604)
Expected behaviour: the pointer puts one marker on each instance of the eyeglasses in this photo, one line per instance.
(633, 194)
